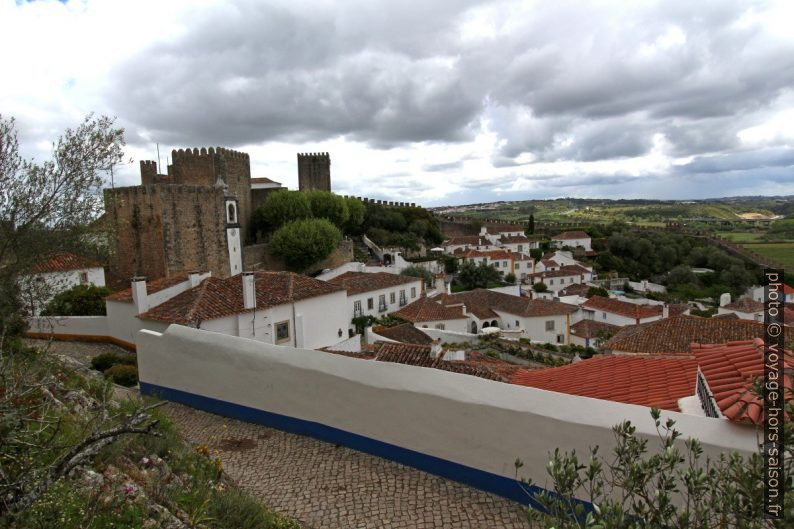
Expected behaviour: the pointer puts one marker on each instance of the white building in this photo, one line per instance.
(573, 239)
(280, 308)
(757, 293)
(745, 309)
(517, 243)
(565, 276)
(539, 320)
(467, 242)
(56, 274)
(377, 294)
(494, 233)
(616, 312)
(428, 314)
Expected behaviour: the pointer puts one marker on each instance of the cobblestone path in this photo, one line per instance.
(325, 486)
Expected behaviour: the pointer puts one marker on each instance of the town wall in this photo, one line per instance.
(461, 427)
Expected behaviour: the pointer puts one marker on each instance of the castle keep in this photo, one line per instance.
(314, 171)
(192, 218)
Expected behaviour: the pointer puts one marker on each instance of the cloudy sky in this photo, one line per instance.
(432, 101)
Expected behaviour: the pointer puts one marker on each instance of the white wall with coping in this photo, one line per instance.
(481, 424)
(448, 336)
(457, 325)
(513, 290)
(351, 345)
(69, 325)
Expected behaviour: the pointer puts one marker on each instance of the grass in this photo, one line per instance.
(741, 236)
(782, 252)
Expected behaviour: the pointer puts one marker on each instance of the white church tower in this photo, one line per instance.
(233, 237)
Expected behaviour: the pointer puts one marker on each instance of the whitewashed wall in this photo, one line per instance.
(460, 426)
(70, 325)
(458, 325)
(390, 307)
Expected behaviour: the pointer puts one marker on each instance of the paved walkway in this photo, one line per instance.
(327, 486)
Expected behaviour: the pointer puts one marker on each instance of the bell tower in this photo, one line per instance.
(233, 236)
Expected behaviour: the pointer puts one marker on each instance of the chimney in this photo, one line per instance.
(195, 278)
(435, 348)
(249, 291)
(665, 311)
(139, 296)
(725, 299)
(449, 288)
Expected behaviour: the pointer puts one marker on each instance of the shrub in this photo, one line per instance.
(107, 360)
(540, 287)
(420, 272)
(80, 300)
(302, 243)
(122, 374)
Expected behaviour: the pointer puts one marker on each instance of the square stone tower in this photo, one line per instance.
(314, 171)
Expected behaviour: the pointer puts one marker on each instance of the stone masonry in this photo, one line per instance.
(314, 171)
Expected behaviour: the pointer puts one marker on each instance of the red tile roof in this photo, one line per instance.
(482, 301)
(404, 333)
(623, 308)
(492, 254)
(788, 317)
(264, 180)
(675, 334)
(64, 262)
(514, 239)
(745, 305)
(593, 329)
(576, 289)
(360, 282)
(647, 381)
(563, 271)
(788, 289)
(151, 287)
(730, 371)
(420, 355)
(425, 309)
(568, 235)
(216, 298)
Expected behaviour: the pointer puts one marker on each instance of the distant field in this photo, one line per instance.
(783, 252)
(741, 236)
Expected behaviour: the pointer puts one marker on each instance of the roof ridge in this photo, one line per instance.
(202, 288)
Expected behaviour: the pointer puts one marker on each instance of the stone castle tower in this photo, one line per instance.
(192, 218)
(314, 171)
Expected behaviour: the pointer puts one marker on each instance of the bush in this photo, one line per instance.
(105, 361)
(122, 374)
(80, 300)
(302, 243)
(326, 205)
(420, 272)
(540, 287)
(278, 209)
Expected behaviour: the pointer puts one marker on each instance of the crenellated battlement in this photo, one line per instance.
(318, 155)
(178, 155)
(383, 202)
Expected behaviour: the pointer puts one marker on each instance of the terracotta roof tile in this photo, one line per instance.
(360, 282)
(675, 334)
(563, 271)
(568, 235)
(514, 239)
(504, 228)
(731, 369)
(151, 287)
(576, 289)
(482, 303)
(64, 262)
(263, 180)
(593, 328)
(646, 381)
(404, 333)
(745, 305)
(623, 308)
(468, 240)
(421, 356)
(425, 309)
(492, 254)
(216, 298)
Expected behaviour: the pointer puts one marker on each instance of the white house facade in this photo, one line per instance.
(58, 273)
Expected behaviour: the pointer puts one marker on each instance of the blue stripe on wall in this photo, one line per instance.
(494, 483)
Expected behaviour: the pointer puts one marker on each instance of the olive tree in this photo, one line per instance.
(302, 243)
(49, 206)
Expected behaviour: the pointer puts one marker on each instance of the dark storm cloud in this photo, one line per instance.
(741, 161)
(562, 81)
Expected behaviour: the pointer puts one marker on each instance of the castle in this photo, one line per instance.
(192, 218)
(314, 171)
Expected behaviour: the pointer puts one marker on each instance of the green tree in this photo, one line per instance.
(326, 205)
(530, 229)
(510, 278)
(49, 207)
(680, 275)
(451, 263)
(80, 300)
(420, 272)
(540, 287)
(597, 291)
(472, 275)
(279, 208)
(302, 243)
(355, 218)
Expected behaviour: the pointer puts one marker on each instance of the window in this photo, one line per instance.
(232, 214)
(282, 332)
(551, 281)
(391, 297)
(518, 324)
(402, 298)
(382, 303)
(413, 292)
(560, 338)
(604, 315)
(496, 264)
(520, 247)
(504, 264)
(83, 278)
(370, 303)
(357, 309)
(550, 325)
(440, 326)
